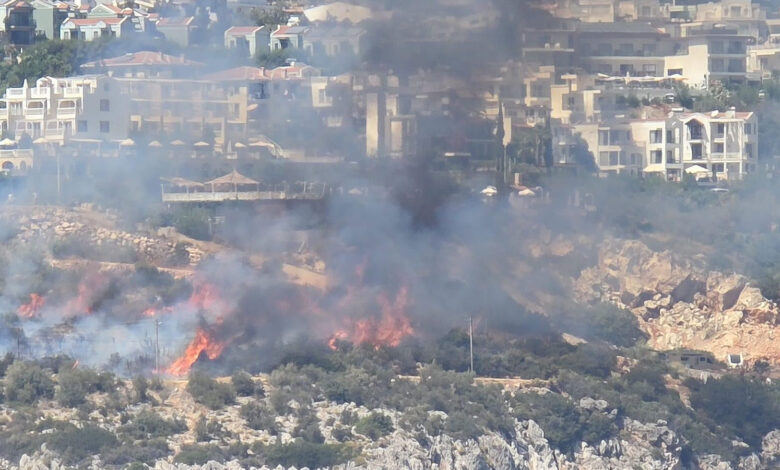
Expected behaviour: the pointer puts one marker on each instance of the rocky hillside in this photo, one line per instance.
(680, 304)
(635, 445)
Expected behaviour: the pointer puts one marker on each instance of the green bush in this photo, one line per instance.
(75, 444)
(243, 384)
(146, 451)
(148, 424)
(76, 384)
(374, 426)
(26, 382)
(140, 389)
(308, 427)
(306, 454)
(199, 454)
(748, 408)
(209, 392)
(259, 417)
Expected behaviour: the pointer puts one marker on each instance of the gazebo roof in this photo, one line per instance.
(234, 177)
(177, 181)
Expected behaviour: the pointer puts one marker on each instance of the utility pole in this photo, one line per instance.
(471, 345)
(156, 346)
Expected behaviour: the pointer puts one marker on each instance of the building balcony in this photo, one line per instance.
(15, 93)
(34, 113)
(66, 113)
(72, 92)
(40, 93)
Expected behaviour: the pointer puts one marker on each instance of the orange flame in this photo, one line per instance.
(388, 330)
(203, 342)
(31, 308)
(206, 296)
(91, 288)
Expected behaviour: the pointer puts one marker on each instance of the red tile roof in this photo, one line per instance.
(178, 21)
(239, 74)
(242, 30)
(94, 21)
(143, 58)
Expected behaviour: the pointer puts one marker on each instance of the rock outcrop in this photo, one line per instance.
(680, 304)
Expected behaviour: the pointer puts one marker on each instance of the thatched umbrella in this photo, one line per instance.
(155, 144)
(127, 143)
(234, 179)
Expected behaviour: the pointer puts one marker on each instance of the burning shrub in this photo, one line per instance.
(209, 392)
(26, 382)
(374, 426)
(259, 417)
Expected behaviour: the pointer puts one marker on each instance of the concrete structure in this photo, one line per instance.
(334, 40)
(145, 64)
(89, 29)
(62, 109)
(288, 36)
(339, 12)
(179, 30)
(18, 27)
(717, 146)
(48, 17)
(712, 54)
(249, 40)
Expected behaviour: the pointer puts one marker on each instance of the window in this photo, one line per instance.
(670, 136)
(716, 65)
(720, 128)
(614, 158)
(106, 86)
(648, 69)
(656, 136)
(749, 150)
(717, 167)
(105, 105)
(614, 137)
(675, 72)
(603, 137)
(321, 96)
(656, 156)
(696, 151)
(736, 65)
(670, 156)
(105, 127)
(716, 47)
(718, 147)
(748, 129)
(603, 158)
(82, 126)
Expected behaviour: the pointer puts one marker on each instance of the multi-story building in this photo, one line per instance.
(18, 26)
(48, 17)
(90, 29)
(249, 40)
(722, 145)
(710, 54)
(145, 64)
(63, 109)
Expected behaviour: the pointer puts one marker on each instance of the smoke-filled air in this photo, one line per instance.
(381, 234)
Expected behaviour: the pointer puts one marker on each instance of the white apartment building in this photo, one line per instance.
(720, 145)
(87, 107)
(724, 143)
